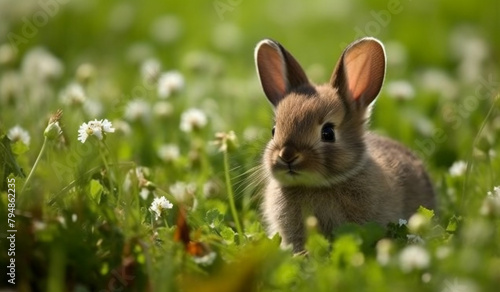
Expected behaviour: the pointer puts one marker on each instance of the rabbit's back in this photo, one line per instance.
(406, 169)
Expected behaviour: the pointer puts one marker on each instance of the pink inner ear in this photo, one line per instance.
(278, 70)
(272, 72)
(357, 65)
(364, 66)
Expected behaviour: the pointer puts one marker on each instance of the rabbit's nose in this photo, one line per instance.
(289, 154)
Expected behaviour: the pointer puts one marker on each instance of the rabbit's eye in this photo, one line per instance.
(327, 133)
(272, 131)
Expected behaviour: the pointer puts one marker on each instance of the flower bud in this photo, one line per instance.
(52, 131)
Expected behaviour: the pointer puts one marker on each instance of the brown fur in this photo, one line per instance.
(361, 177)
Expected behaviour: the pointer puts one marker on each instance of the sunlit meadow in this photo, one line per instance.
(130, 133)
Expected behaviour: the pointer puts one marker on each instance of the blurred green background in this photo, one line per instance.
(438, 46)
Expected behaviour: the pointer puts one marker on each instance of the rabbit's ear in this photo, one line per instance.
(360, 72)
(278, 70)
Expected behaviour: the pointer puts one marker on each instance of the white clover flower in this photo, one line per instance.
(183, 192)
(418, 222)
(137, 110)
(96, 128)
(163, 109)
(39, 225)
(11, 86)
(61, 221)
(396, 52)
(168, 152)
(491, 204)
(150, 70)
(458, 168)
(227, 37)
(210, 189)
(426, 277)
(425, 126)
(144, 193)
(93, 107)
(492, 153)
(414, 257)
(400, 89)
(85, 72)
(166, 29)
(443, 252)
(73, 94)
(193, 119)
(40, 65)
(205, 260)
(469, 70)
(17, 133)
(169, 83)
(459, 285)
(384, 248)
(159, 205)
(107, 126)
(226, 141)
(7, 54)
(471, 49)
(123, 127)
(438, 81)
(495, 192)
(311, 222)
(90, 128)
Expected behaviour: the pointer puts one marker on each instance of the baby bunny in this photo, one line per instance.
(321, 160)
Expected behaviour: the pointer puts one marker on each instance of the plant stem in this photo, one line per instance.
(44, 145)
(465, 184)
(231, 197)
(82, 178)
(106, 165)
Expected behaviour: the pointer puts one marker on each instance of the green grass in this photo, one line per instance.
(82, 224)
